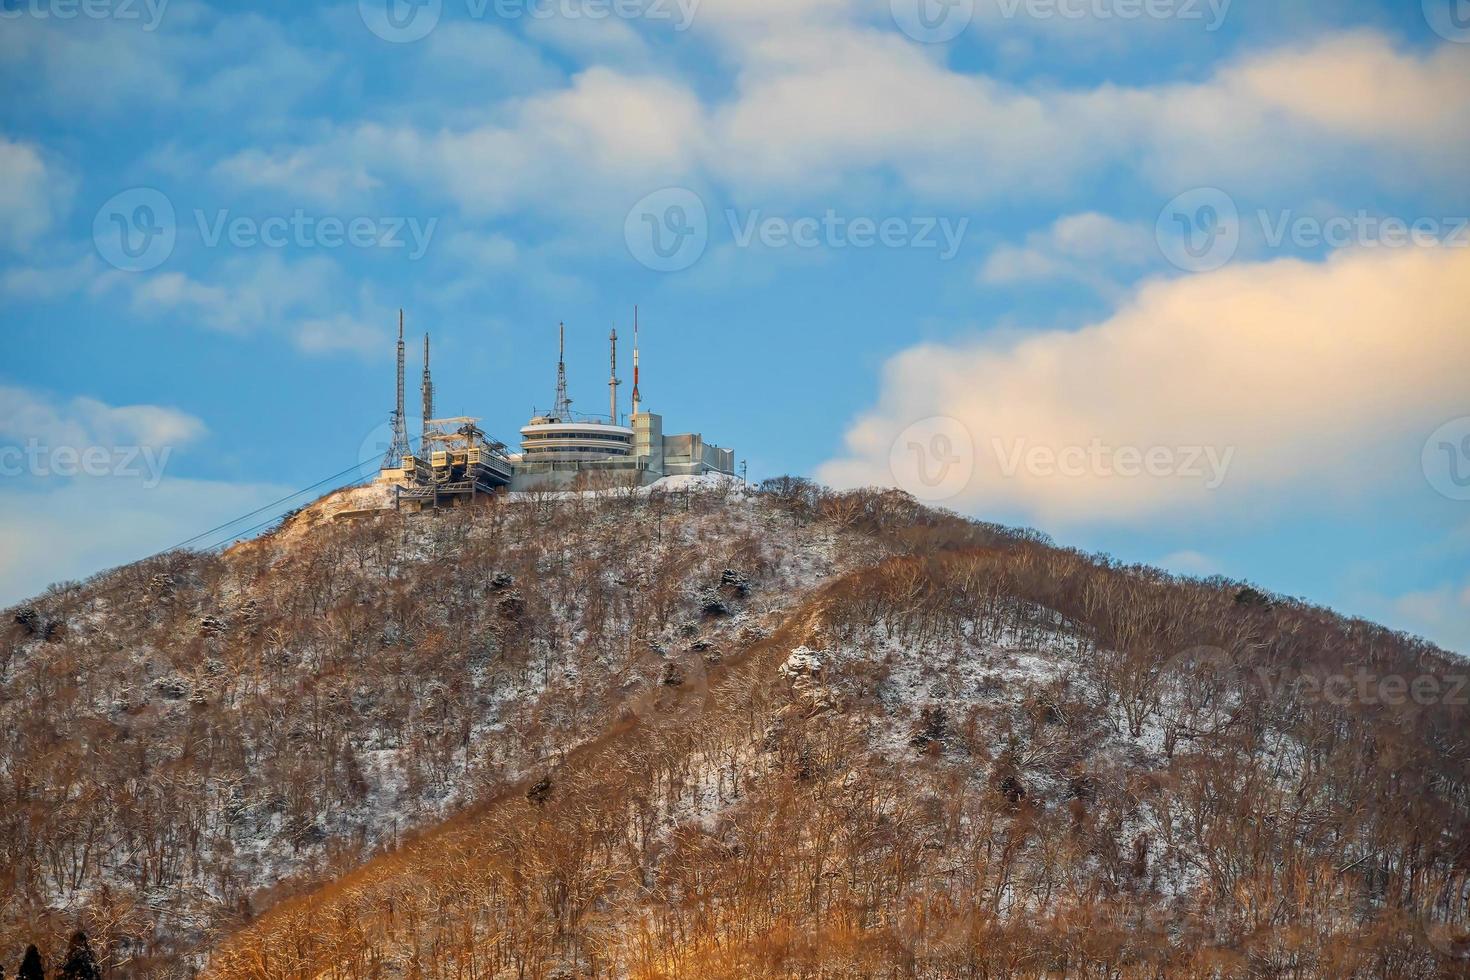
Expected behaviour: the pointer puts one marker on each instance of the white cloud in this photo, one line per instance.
(338, 332)
(29, 195)
(1088, 247)
(82, 422)
(50, 281)
(1312, 379)
(573, 151)
(199, 60)
(302, 299)
(87, 485)
(606, 40)
(1357, 85)
(80, 527)
(817, 105)
(483, 251)
(825, 105)
(1190, 562)
(305, 171)
(1441, 613)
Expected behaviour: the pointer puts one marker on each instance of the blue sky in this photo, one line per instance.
(1019, 244)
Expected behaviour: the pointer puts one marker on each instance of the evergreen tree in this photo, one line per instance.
(30, 967)
(80, 963)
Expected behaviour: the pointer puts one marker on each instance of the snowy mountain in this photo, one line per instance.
(702, 731)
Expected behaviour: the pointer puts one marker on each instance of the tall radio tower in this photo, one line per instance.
(612, 381)
(637, 398)
(563, 409)
(399, 447)
(428, 391)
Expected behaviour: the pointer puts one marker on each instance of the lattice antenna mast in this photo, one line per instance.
(428, 397)
(613, 382)
(399, 447)
(563, 409)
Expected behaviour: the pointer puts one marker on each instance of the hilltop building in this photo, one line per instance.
(560, 449)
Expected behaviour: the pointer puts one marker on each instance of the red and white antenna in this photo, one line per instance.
(637, 398)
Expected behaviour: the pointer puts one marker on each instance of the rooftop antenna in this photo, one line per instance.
(613, 382)
(637, 399)
(563, 409)
(398, 449)
(428, 397)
